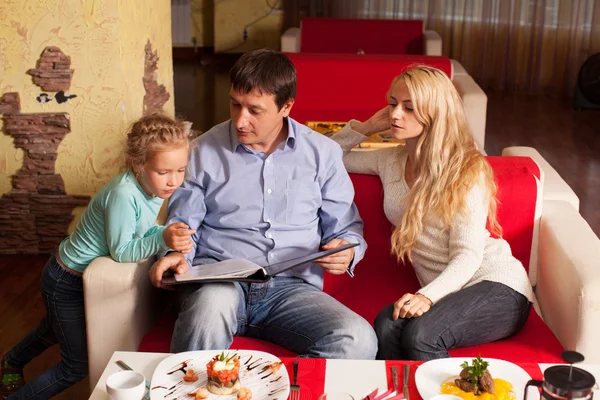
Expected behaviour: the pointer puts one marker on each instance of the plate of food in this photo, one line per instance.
(471, 379)
(231, 374)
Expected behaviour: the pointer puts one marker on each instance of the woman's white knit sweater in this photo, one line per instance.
(445, 260)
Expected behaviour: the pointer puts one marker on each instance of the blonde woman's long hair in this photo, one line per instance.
(447, 163)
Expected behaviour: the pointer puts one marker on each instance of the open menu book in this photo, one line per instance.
(241, 270)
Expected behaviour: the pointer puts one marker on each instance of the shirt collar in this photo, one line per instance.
(290, 141)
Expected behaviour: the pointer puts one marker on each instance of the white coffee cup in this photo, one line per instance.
(126, 385)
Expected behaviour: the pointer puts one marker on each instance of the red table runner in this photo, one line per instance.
(311, 376)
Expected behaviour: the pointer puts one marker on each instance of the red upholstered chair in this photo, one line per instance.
(338, 87)
(368, 36)
(124, 312)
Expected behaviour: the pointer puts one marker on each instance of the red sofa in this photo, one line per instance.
(379, 280)
(338, 87)
(368, 36)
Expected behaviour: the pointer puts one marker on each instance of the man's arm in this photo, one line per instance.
(339, 215)
(187, 203)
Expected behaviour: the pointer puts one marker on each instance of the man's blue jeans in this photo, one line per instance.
(285, 310)
(64, 324)
(482, 313)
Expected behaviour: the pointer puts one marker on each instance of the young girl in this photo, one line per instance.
(438, 192)
(119, 222)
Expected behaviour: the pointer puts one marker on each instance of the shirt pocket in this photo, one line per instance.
(303, 200)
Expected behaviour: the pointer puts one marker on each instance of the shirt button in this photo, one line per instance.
(271, 255)
(269, 235)
(267, 220)
(268, 162)
(269, 191)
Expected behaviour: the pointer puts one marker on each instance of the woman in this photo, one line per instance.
(439, 191)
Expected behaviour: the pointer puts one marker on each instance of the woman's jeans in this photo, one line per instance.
(64, 324)
(481, 313)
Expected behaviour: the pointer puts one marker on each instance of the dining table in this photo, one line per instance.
(359, 378)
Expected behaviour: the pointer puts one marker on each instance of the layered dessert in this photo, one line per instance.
(223, 374)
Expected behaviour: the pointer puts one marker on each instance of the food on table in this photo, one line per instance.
(476, 383)
(190, 376)
(223, 374)
(244, 394)
(200, 394)
(273, 367)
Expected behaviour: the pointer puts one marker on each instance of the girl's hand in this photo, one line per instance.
(380, 121)
(411, 306)
(177, 237)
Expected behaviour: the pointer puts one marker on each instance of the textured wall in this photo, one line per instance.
(105, 40)
(233, 15)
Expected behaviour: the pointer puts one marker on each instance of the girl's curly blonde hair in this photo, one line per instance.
(151, 134)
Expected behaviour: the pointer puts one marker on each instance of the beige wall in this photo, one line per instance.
(233, 15)
(203, 27)
(105, 40)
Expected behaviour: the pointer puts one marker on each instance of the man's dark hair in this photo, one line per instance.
(268, 71)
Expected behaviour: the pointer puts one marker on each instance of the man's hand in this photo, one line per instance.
(337, 263)
(177, 237)
(173, 261)
(411, 306)
(380, 121)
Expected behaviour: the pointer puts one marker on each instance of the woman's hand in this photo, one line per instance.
(380, 121)
(411, 306)
(178, 237)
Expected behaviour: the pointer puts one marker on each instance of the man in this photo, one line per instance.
(263, 187)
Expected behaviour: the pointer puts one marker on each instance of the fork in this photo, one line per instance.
(295, 388)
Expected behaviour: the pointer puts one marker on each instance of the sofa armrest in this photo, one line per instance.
(433, 43)
(121, 305)
(290, 40)
(475, 102)
(568, 284)
(555, 187)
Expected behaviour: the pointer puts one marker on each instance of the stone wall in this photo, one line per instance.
(36, 213)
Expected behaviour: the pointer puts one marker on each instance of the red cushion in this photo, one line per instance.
(158, 340)
(338, 87)
(373, 36)
(379, 280)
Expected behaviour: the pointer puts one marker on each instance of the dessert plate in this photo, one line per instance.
(168, 384)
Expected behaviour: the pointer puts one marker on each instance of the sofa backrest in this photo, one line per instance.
(339, 87)
(371, 36)
(380, 280)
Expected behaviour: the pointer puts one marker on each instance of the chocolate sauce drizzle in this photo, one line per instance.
(250, 364)
(178, 368)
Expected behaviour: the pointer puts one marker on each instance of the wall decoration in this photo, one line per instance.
(61, 97)
(36, 213)
(53, 72)
(44, 98)
(10, 103)
(156, 95)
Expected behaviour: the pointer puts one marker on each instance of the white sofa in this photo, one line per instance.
(555, 187)
(121, 305)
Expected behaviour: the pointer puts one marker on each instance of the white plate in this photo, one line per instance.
(275, 386)
(430, 376)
